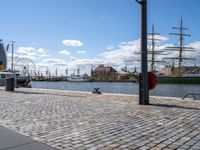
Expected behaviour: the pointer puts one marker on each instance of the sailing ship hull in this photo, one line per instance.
(23, 81)
(178, 80)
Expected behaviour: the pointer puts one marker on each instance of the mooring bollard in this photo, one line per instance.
(96, 91)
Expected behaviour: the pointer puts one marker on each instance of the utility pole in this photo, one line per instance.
(12, 68)
(143, 87)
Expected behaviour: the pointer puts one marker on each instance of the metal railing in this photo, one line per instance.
(196, 96)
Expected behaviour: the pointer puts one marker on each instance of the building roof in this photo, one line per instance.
(102, 68)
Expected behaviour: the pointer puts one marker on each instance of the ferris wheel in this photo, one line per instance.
(24, 65)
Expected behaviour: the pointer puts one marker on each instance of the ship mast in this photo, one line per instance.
(56, 72)
(180, 48)
(125, 69)
(153, 51)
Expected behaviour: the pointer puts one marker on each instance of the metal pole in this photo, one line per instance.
(143, 88)
(153, 50)
(12, 68)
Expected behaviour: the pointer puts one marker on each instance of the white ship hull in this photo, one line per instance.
(78, 80)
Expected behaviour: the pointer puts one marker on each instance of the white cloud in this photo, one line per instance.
(42, 53)
(74, 43)
(86, 61)
(126, 51)
(130, 52)
(31, 52)
(27, 51)
(80, 51)
(160, 38)
(65, 52)
(53, 61)
(195, 53)
(16, 55)
(195, 45)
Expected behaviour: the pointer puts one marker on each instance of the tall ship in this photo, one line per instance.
(180, 49)
(176, 70)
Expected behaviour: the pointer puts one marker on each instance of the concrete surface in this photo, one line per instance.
(10, 140)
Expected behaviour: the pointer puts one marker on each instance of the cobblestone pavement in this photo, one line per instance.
(72, 120)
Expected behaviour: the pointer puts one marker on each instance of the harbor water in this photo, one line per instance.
(166, 90)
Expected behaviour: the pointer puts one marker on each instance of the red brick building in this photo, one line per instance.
(104, 73)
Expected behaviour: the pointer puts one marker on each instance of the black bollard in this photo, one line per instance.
(10, 84)
(96, 91)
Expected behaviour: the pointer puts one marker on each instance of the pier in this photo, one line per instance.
(67, 120)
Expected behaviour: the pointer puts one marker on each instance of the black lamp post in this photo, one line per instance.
(143, 87)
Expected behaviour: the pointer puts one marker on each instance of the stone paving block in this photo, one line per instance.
(105, 148)
(144, 148)
(81, 121)
(162, 145)
(167, 148)
(114, 145)
(155, 148)
(150, 145)
(174, 146)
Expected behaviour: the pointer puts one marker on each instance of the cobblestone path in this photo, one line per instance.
(79, 121)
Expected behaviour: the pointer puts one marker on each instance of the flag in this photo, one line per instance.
(7, 47)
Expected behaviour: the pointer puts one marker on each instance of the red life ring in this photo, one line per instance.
(152, 80)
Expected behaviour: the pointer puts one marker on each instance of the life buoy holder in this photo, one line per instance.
(152, 80)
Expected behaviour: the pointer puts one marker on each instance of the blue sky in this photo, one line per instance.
(107, 31)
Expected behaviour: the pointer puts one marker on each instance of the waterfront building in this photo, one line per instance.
(3, 60)
(104, 73)
(123, 77)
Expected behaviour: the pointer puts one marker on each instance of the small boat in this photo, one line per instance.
(78, 78)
